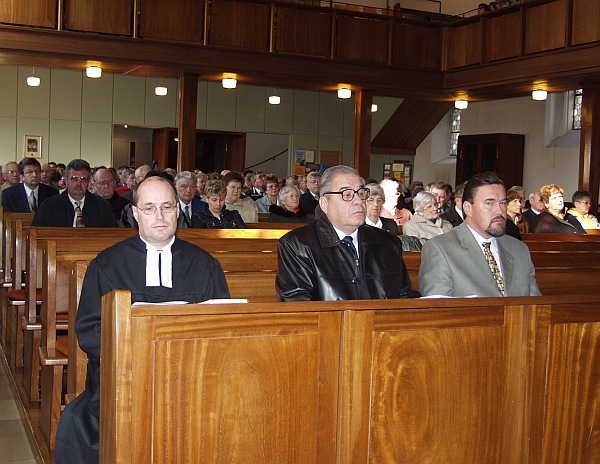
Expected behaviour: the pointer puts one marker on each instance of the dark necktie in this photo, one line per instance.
(32, 202)
(79, 213)
(350, 244)
(160, 267)
(493, 266)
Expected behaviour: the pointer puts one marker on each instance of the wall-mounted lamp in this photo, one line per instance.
(461, 104)
(344, 93)
(374, 108)
(160, 90)
(33, 80)
(93, 72)
(229, 83)
(539, 95)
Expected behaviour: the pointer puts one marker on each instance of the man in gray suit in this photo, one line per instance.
(455, 263)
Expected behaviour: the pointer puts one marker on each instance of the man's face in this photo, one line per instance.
(215, 204)
(11, 173)
(186, 190)
(104, 183)
(77, 183)
(140, 174)
(31, 176)
(537, 202)
(272, 189)
(314, 185)
(45, 174)
(234, 191)
(302, 183)
(487, 214)
(346, 216)
(440, 194)
(259, 183)
(158, 228)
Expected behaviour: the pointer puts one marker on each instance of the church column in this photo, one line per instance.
(589, 149)
(362, 132)
(188, 95)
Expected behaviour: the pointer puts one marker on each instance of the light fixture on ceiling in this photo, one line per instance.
(344, 93)
(160, 90)
(93, 72)
(374, 108)
(539, 95)
(274, 99)
(229, 83)
(461, 104)
(33, 80)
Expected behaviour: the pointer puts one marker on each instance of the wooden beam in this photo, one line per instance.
(362, 132)
(589, 150)
(186, 152)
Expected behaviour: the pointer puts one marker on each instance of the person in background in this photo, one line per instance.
(258, 186)
(310, 199)
(128, 176)
(30, 193)
(553, 222)
(185, 184)
(233, 200)
(213, 214)
(537, 206)
(515, 224)
(272, 197)
(390, 208)
(426, 222)
(302, 184)
(455, 214)
(290, 209)
(580, 212)
(105, 182)
(443, 194)
(201, 179)
(10, 173)
(374, 204)
(45, 173)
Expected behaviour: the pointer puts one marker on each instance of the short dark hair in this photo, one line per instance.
(78, 165)
(28, 162)
(233, 177)
(484, 178)
(581, 195)
(163, 178)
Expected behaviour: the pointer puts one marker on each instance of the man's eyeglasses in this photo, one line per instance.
(348, 194)
(28, 173)
(83, 180)
(149, 210)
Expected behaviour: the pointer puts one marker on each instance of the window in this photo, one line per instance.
(454, 132)
(577, 98)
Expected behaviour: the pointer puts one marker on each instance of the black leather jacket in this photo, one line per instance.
(229, 219)
(315, 265)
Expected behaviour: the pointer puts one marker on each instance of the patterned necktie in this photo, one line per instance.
(493, 266)
(187, 213)
(350, 244)
(32, 202)
(79, 213)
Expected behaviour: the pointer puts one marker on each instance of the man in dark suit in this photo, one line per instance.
(104, 186)
(189, 204)
(28, 195)
(537, 207)
(76, 207)
(455, 214)
(310, 199)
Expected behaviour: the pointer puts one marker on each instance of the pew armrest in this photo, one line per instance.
(52, 357)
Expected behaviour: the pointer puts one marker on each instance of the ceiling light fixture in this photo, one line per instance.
(274, 99)
(229, 83)
(539, 95)
(33, 80)
(461, 104)
(344, 93)
(374, 108)
(160, 90)
(93, 72)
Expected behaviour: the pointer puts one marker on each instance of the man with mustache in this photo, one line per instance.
(477, 257)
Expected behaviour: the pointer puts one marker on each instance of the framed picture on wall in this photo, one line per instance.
(32, 147)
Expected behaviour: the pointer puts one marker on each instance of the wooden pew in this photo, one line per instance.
(502, 380)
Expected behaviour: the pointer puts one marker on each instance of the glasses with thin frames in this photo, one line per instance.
(83, 180)
(149, 210)
(348, 194)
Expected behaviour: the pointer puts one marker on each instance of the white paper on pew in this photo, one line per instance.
(143, 303)
(225, 301)
(446, 296)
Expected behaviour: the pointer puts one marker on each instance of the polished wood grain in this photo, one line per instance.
(586, 17)
(302, 32)
(589, 163)
(464, 45)
(181, 20)
(77, 363)
(545, 26)
(417, 45)
(361, 39)
(503, 36)
(37, 13)
(240, 24)
(106, 16)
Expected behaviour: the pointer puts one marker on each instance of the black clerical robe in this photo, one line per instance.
(197, 277)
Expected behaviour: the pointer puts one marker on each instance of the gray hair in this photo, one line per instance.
(334, 171)
(185, 175)
(285, 190)
(313, 174)
(201, 176)
(423, 199)
(375, 189)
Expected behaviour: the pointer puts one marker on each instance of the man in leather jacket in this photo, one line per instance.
(320, 262)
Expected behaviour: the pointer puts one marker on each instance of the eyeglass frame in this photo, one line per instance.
(150, 210)
(354, 192)
(83, 180)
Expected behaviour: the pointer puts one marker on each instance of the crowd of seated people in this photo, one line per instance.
(494, 6)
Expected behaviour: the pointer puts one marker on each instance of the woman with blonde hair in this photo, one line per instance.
(553, 221)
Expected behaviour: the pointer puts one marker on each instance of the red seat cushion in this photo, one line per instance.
(62, 345)
(19, 295)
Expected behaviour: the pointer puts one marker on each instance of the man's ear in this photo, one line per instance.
(323, 203)
(466, 207)
(135, 212)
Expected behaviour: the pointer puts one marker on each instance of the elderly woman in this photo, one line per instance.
(290, 209)
(201, 179)
(233, 200)
(580, 212)
(426, 223)
(214, 215)
(272, 197)
(374, 204)
(553, 221)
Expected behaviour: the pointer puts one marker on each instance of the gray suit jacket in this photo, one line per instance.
(453, 265)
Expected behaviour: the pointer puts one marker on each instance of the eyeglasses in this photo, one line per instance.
(348, 194)
(83, 180)
(371, 200)
(314, 181)
(431, 206)
(28, 173)
(149, 210)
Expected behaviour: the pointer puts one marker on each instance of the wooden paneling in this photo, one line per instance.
(39, 13)
(182, 20)
(361, 39)
(464, 45)
(416, 45)
(586, 20)
(502, 36)
(545, 26)
(106, 16)
(303, 32)
(239, 24)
